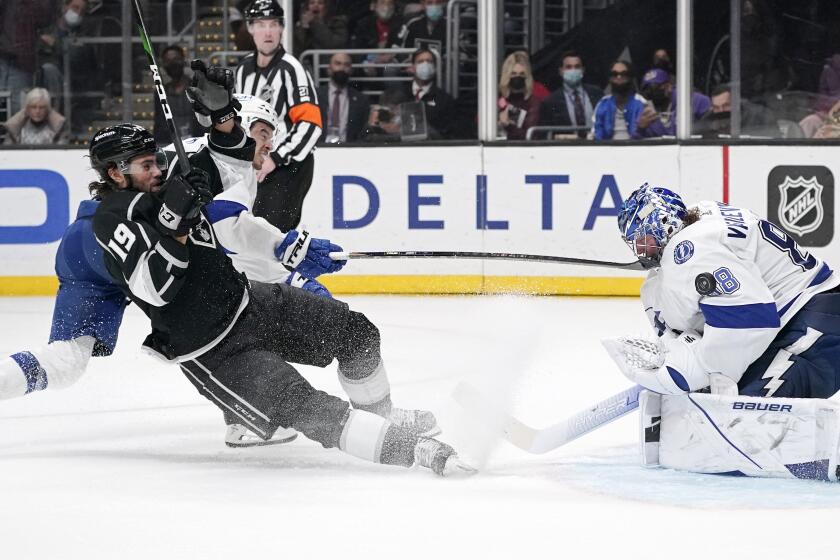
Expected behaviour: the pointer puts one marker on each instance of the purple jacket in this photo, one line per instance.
(700, 105)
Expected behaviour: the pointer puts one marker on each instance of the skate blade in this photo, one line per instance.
(261, 443)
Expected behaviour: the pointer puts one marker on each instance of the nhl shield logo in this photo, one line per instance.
(801, 208)
(800, 200)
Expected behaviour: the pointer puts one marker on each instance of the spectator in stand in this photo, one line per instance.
(86, 75)
(344, 109)
(573, 104)
(427, 30)
(37, 124)
(20, 21)
(438, 105)
(379, 29)
(518, 107)
(660, 115)
(830, 78)
(540, 91)
(662, 60)
(616, 114)
(756, 121)
(831, 127)
(172, 60)
(319, 28)
(384, 122)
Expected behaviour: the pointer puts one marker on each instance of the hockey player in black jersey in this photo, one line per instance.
(233, 338)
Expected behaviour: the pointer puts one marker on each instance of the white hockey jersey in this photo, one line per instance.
(247, 239)
(761, 279)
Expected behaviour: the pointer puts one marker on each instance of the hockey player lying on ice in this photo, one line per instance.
(742, 312)
(234, 338)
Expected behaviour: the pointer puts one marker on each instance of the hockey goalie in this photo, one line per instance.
(747, 351)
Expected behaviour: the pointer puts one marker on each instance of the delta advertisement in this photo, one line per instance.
(547, 200)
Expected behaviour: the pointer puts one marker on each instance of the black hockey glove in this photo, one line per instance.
(211, 94)
(183, 198)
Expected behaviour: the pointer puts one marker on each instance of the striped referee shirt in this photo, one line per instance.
(288, 87)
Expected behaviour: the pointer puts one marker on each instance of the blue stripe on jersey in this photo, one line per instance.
(218, 210)
(747, 316)
(678, 378)
(821, 276)
(36, 376)
(784, 309)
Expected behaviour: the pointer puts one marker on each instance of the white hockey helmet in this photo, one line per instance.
(255, 109)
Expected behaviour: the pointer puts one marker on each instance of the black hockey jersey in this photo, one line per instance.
(192, 293)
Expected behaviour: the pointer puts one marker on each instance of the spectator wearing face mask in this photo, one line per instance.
(176, 82)
(319, 28)
(19, 22)
(616, 114)
(573, 104)
(756, 121)
(380, 28)
(86, 74)
(344, 109)
(439, 105)
(518, 107)
(37, 123)
(659, 117)
(427, 30)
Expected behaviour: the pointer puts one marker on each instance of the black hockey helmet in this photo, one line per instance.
(118, 144)
(265, 9)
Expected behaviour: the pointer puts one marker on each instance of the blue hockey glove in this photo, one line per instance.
(307, 255)
(297, 280)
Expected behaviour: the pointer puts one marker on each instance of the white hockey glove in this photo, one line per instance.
(666, 366)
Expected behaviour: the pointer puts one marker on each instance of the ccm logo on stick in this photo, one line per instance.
(762, 406)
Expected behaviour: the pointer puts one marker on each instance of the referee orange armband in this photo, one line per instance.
(308, 112)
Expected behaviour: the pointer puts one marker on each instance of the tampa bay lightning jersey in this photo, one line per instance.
(761, 279)
(248, 240)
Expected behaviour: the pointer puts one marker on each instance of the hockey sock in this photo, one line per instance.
(371, 393)
(57, 365)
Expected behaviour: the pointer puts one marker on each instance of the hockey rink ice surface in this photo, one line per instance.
(130, 463)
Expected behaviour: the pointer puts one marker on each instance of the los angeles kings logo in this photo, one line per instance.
(801, 200)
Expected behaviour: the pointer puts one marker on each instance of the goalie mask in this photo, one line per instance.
(648, 219)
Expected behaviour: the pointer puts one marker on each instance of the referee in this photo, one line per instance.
(277, 77)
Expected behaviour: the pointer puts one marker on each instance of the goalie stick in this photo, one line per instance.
(547, 439)
(635, 265)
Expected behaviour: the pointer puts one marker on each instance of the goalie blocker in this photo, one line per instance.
(740, 435)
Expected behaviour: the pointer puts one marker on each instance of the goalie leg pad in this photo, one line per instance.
(752, 436)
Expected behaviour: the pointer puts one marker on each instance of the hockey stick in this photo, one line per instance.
(534, 440)
(161, 93)
(635, 265)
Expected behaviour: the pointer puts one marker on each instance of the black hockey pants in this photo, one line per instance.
(248, 373)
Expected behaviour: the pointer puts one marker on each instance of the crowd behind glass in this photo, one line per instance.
(399, 96)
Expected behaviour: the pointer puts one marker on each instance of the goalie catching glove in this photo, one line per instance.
(183, 198)
(668, 365)
(307, 255)
(211, 94)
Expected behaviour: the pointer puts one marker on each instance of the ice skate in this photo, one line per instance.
(421, 423)
(238, 435)
(441, 458)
